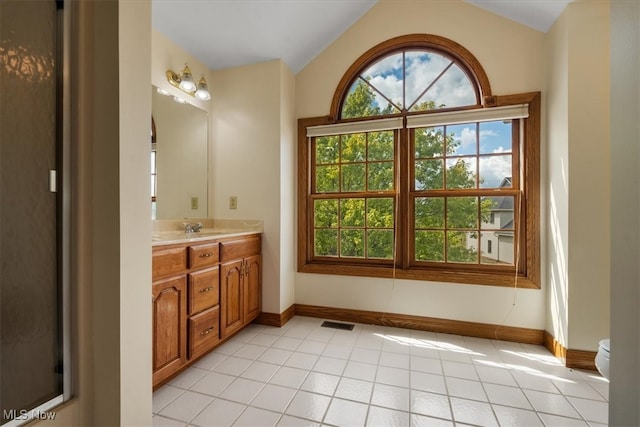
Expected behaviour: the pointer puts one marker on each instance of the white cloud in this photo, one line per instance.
(494, 169)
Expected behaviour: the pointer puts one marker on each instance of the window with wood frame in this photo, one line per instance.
(420, 172)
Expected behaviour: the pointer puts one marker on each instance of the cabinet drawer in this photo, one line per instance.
(203, 255)
(204, 330)
(204, 289)
(168, 261)
(237, 249)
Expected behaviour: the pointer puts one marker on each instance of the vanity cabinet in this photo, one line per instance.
(240, 276)
(202, 293)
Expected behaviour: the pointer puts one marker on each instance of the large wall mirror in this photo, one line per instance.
(179, 159)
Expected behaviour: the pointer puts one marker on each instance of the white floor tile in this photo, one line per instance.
(353, 389)
(459, 370)
(186, 406)
(551, 403)
(345, 413)
(472, 412)
(253, 417)
(188, 378)
(213, 383)
(361, 371)
(219, 413)
(242, 390)
(390, 397)
(301, 360)
(424, 421)
(330, 365)
(165, 395)
(260, 371)
(250, 351)
(289, 377)
(159, 421)
(305, 375)
(392, 376)
(596, 411)
(428, 382)
(384, 417)
(289, 421)
(558, 421)
(507, 396)
(274, 398)
(317, 382)
(430, 404)
(426, 364)
(275, 355)
(308, 405)
(233, 366)
(512, 417)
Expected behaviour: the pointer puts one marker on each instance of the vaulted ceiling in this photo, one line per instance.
(230, 33)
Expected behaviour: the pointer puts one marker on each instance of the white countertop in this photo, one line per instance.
(167, 232)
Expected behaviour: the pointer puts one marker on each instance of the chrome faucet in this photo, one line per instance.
(192, 227)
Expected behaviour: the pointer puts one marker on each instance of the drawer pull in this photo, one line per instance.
(206, 255)
(207, 289)
(206, 331)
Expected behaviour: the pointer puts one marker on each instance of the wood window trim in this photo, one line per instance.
(530, 171)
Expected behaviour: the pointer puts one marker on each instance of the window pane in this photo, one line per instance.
(386, 76)
(326, 243)
(353, 177)
(495, 137)
(380, 212)
(428, 174)
(461, 172)
(327, 149)
(429, 246)
(429, 142)
(327, 179)
(362, 101)
(325, 213)
(462, 247)
(352, 243)
(380, 244)
(153, 185)
(422, 69)
(461, 139)
(497, 247)
(453, 89)
(462, 212)
(495, 171)
(353, 147)
(380, 146)
(497, 213)
(352, 213)
(380, 176)
(429, 212)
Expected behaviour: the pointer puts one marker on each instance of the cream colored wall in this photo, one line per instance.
(288, 193)
(247, 146)
(111, 257)
(556, 160)
(512, 56)
(624, 394)
(589, 174)
(578, 163)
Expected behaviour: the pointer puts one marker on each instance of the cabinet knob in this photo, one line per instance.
(206, 331)
(207, 289)
(206, 255)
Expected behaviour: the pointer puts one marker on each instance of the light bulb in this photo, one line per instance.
(202, 91)
(186, 80)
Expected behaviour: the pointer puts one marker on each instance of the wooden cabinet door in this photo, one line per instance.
(230, 298)
(252, 290)
(169, 327)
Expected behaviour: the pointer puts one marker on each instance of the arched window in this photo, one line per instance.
(420, 172)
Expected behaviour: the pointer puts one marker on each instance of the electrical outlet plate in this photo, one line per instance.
(194, 203)
(233, 202)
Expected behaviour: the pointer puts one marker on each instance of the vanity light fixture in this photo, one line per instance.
(184, 81)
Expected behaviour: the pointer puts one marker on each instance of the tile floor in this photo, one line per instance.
(306, 375)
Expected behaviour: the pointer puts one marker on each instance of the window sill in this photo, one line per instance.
(416, 273)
